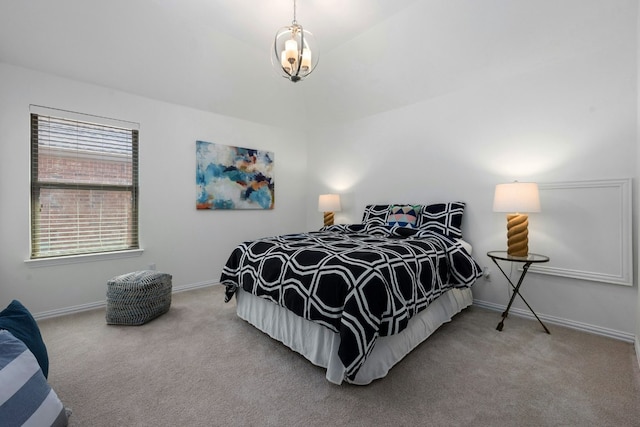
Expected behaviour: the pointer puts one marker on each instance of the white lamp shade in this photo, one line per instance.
(329, 203)
(517, 197)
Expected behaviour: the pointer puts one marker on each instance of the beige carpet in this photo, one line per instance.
(199, 365)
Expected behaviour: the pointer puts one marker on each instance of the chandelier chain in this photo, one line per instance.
(294, 13)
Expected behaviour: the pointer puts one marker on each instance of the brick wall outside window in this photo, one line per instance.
(83, 190)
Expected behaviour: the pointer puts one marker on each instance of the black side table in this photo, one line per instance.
(526, 262)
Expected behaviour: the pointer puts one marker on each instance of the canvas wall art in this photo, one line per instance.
(230, 177)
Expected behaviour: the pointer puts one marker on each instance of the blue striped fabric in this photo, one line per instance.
(26, 399)
(17, 319)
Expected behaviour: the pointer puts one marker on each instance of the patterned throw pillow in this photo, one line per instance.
(403, 215)
(444, 218)
(375, 214)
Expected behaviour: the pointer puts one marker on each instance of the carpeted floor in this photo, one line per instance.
(199, 365)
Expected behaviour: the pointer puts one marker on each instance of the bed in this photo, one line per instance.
(357, 298)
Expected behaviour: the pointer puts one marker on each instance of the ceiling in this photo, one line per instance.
(255, 22)
(207, 54)
(375, 55)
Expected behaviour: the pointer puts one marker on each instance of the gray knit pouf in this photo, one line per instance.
(138, 297)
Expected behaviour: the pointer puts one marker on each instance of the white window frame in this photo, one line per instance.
(96, 253)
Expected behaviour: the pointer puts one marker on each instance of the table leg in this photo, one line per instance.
(513, 296)
(516, 291)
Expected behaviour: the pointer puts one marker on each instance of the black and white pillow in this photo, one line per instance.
(375, 214)
(375, 219)
(444, 218)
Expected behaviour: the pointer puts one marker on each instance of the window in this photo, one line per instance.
(84, 187)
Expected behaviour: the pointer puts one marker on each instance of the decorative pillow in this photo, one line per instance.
(403, 215)
(375, 214)
(17, 320)
(445, 218)
(25, 396)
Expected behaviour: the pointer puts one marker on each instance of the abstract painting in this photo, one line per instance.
(230, 177)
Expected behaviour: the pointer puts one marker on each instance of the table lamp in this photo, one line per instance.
(329, 203)
(517, 198)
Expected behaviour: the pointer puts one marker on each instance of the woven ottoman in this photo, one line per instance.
(138, 297)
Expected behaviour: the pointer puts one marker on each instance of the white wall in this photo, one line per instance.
(438, 102)
(191, 245)
(637, 340)
(569, 115)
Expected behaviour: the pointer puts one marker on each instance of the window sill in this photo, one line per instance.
(75, 259)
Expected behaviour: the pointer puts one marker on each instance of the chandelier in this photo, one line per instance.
(294, 53)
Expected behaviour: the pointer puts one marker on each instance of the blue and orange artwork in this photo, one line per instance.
(230, 177)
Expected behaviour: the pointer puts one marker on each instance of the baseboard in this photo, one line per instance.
(585, 327)
(69, 310)
(611, 333)
(193, 286)
(101, 304)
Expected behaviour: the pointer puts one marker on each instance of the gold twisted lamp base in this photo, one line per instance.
(328, 218)
(517, 235)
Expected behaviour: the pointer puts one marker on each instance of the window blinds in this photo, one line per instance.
(84, 187)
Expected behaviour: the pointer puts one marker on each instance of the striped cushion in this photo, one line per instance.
(26, 399)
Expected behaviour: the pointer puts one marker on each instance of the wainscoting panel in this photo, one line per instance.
(585, 228)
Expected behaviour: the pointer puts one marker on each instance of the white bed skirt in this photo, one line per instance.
(320, 345)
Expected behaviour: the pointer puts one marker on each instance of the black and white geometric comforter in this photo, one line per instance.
(357, 284)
